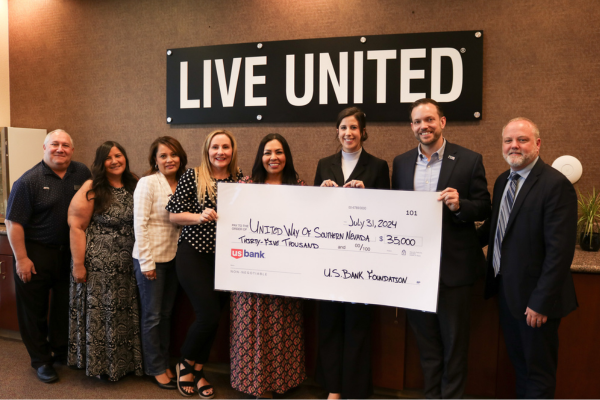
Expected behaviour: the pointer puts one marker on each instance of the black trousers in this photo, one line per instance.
(196, 274)
(532, 351)
(443, 341)
(344, 353)
(43, 303)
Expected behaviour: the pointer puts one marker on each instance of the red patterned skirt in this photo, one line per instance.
(267, 343)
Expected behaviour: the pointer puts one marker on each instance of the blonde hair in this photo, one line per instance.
(204, 179)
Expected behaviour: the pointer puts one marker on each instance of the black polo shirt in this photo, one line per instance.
(39, 200)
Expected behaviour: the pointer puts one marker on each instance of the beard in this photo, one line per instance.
(519, 160)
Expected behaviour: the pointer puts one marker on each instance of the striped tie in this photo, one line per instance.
(505, 209)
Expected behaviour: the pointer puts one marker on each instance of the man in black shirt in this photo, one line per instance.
(38, 232)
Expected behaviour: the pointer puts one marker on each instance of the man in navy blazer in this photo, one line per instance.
(458, 173)
(529, 258)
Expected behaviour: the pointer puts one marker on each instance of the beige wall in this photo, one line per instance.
(4, 76)
(98, 69)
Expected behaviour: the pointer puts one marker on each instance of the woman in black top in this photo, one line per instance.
(194, 206)
(344, 340)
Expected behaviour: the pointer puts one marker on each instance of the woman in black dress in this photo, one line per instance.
(344, 340)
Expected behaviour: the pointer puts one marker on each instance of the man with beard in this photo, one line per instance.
(458, 173)
(532, 234)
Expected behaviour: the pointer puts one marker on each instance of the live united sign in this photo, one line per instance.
(312, 80)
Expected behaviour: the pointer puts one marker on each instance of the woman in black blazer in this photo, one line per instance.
(344, 355)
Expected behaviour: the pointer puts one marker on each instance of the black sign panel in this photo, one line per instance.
(313, 80)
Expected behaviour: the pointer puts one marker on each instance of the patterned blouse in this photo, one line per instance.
(202, 236)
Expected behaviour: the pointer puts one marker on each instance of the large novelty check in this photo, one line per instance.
(356, 245)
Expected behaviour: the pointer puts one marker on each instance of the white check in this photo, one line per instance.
(355, 245)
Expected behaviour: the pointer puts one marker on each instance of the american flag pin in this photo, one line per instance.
(451, 157)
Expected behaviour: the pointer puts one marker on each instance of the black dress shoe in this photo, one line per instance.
(47, 374)
(169, 386)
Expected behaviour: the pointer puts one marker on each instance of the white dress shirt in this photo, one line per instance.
(155, 236)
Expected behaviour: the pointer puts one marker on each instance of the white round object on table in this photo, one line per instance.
(569, 166)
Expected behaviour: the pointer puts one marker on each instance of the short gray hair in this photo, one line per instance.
(47, 139)
(536, 130)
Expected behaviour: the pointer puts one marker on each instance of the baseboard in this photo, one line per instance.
(7, 334)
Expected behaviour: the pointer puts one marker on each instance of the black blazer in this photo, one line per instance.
(462, 169)
(538, 245)
(372, 171)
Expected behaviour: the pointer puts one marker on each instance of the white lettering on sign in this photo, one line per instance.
(183, 88)
(327, 73)
(358, 77)
(381, 56)
(290, 92)
(340, 87)
(407, 74)
(436, 74)
(207, 85)
(252, 80)
(228, 93)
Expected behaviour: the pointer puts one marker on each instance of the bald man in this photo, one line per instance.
(36, 223)
(532, 234)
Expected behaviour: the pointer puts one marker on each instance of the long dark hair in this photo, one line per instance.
(172, 144)
(101, 189)
(259, 174)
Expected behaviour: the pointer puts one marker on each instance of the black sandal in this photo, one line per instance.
(187, 369)
(197, 376)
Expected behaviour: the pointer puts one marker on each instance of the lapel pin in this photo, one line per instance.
(451, 157)
(46, 188)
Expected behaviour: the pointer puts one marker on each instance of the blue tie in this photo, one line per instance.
(505, 209)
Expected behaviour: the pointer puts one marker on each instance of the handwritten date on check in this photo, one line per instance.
(342, 244)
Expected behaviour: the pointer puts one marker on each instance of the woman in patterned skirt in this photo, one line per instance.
(104, 326)
(194, 206)
(267, 333)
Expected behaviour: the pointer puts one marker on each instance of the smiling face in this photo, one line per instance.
(520, 147)
(350, 135)
(427, 126)
(167, 160)
(58, 151)
(220, 152)
(273, 158)
(115, 163)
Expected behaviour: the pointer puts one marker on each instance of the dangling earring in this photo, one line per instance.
(155, 166)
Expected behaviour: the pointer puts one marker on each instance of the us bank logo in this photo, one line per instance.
(239, 253)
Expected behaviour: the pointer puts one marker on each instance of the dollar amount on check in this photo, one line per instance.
(343, 244)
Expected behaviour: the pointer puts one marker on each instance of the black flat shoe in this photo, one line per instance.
(47, 373)
(171, 385)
